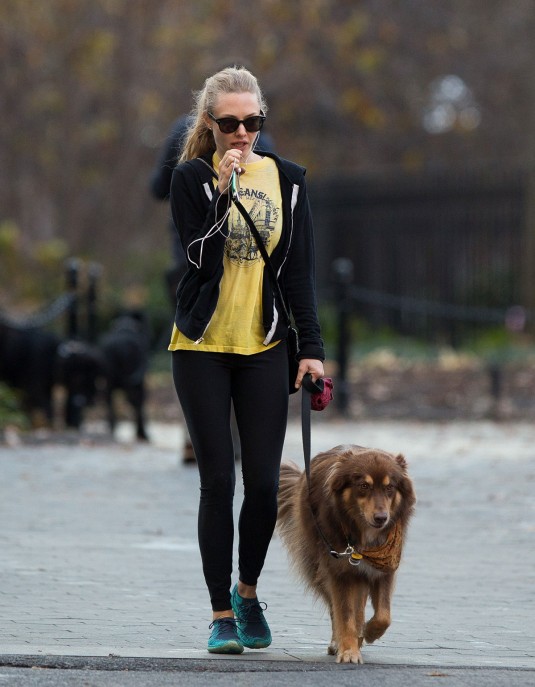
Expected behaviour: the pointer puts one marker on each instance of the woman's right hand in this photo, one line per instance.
(231, 160)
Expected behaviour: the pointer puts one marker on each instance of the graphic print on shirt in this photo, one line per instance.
(240, 247)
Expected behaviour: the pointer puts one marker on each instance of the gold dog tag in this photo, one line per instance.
(355, 558)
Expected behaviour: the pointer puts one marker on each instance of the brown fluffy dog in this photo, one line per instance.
(360, 504)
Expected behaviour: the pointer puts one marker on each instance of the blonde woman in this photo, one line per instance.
(228, 340)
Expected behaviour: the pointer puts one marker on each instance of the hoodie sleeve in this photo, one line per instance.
(300, 280)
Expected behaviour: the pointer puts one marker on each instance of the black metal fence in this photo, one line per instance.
(426, 248)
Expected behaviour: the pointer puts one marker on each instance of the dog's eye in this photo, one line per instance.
(390, 488)
(364, 486)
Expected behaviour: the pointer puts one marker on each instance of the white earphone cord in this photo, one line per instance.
(213, 229)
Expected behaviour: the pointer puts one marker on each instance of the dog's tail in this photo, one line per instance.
(289, 477)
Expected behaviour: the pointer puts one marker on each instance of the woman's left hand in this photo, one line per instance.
(311, 365)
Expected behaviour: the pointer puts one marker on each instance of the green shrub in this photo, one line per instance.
(11, 412)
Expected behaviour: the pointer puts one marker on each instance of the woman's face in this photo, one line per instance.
(240, 106)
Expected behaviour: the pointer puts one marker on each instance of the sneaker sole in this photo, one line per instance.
(263, 644)
(233, 648)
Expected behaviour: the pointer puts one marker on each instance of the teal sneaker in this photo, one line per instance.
(253, 629)
(224, 638)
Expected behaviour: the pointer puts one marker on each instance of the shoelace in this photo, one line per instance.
(253, 612)
(223, 624)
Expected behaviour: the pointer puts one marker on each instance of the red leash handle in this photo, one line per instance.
(321, 391)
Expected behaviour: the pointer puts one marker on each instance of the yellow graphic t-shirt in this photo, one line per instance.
(236, 326)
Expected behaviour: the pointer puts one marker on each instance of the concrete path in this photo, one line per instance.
(98, 551)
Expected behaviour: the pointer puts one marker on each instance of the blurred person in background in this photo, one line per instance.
(160, 182)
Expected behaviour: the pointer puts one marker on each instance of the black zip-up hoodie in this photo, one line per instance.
(195, 211)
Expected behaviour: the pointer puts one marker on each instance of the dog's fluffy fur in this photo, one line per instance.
(358, 496)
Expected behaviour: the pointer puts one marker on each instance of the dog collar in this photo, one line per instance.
(385, 557)
(353, 556)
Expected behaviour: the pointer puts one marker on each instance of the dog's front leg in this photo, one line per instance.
(381, 597)
(332, 649)
(348, 604)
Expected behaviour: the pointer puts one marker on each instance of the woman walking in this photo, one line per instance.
(229, 339)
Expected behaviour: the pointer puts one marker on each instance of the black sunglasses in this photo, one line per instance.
(228, 125)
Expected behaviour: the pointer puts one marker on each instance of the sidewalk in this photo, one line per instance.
(98, 551)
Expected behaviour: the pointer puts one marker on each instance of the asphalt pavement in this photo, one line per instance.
(100, 570)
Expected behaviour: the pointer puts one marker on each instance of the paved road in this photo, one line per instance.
(98, 555)
(244, 673)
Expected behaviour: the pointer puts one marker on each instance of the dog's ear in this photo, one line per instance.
(405, 485)
(406, 488)
(400, 460)
(338, 477)
(339, 482)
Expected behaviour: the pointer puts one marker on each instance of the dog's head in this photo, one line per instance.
(371, 486)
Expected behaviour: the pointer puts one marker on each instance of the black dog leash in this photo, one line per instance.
(308, 387)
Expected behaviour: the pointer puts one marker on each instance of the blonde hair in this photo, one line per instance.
(199, 139)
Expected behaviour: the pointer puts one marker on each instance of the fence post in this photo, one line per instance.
(72, 267)
(71, 273)
(93, 275)
(342, 273)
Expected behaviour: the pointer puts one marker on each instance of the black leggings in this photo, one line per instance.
(257, 385)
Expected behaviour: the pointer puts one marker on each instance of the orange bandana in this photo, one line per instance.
(387, 556)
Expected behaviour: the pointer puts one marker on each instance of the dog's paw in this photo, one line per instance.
(332, 649)
(374, 629)
(351, 655)
(348, 650)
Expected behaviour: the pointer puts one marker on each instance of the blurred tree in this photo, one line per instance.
(89, 90)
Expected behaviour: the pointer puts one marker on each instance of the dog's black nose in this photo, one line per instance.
(380, 518)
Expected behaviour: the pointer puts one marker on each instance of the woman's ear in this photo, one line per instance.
(207, 121)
